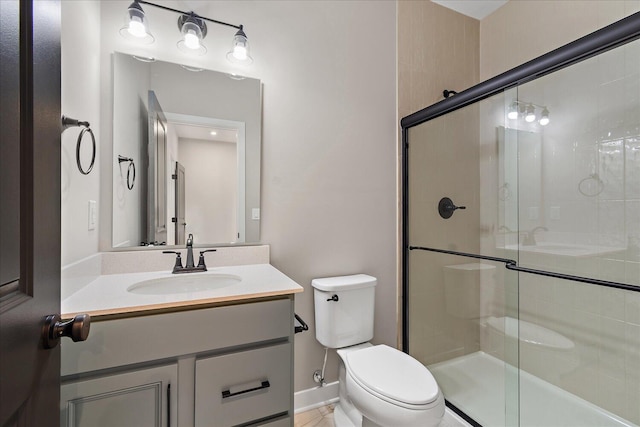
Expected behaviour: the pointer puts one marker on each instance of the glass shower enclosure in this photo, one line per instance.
(521, 238)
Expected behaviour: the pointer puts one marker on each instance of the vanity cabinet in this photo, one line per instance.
(218, 366)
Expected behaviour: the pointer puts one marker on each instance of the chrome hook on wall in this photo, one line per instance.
(132, 166)
(68, 122)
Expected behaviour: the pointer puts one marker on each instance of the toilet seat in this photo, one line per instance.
(392, 376)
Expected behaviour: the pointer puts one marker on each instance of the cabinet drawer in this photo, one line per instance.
(241, 387)
(168, 335)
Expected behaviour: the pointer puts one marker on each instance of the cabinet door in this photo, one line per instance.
(146, 397)
(242, 387)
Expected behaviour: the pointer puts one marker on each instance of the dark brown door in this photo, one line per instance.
(29, 210)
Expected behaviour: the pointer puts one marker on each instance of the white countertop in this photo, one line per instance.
(108, 295)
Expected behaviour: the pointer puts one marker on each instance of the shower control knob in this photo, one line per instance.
(446, 207)
(334, 297)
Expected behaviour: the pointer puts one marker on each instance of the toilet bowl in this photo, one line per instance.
(390, 388)
(379, 386)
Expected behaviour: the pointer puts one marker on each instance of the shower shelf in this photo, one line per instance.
(513, 265)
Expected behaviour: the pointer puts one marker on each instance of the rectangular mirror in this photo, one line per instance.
(190, 140)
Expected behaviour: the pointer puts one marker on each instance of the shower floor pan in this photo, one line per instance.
(475, 383)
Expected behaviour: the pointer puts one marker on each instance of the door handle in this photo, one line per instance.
(77, 329)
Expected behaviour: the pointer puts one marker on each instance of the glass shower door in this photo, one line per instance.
(462, 311)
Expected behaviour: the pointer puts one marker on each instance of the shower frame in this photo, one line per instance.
(612, 36)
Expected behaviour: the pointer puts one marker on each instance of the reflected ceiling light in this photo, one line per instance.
(530, 114)
(213, 133)
(193, 29)
(513, 111)
(136, 26)
(527, 111)
(239, 53)
(544, 119)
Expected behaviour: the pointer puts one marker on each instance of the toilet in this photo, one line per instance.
(379, 386)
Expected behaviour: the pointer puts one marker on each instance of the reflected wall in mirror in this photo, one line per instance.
(195, 139)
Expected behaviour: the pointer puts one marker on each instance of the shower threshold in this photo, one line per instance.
(475, 383)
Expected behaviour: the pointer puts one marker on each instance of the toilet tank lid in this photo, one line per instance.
(343, 283)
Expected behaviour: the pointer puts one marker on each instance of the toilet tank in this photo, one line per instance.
(344, 309)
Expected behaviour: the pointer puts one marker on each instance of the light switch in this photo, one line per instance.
(554, 212)
(255, 213)
(93, 214)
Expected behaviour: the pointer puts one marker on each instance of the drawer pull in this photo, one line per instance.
(227, 393)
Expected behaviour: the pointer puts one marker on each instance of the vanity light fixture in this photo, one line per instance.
(193, 29)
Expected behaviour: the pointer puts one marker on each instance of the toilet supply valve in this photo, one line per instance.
(334, 297)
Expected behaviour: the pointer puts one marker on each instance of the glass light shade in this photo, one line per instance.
(192, 36)
(136, 27)
(239, 53)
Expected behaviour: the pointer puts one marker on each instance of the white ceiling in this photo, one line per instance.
(204, 132)
(478, 9)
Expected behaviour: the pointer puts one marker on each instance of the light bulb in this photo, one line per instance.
(240, 52)
(136, 27)
(191, 40)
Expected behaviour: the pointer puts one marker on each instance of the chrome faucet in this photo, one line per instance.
(530, 236)
(190, 267)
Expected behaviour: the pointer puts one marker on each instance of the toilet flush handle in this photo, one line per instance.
(334, 297)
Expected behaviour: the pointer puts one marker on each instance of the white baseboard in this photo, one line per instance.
(316, 397)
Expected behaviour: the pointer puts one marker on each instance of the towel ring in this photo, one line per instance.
(93, 156)
(132, 166)
(68, 122)
(584, 186)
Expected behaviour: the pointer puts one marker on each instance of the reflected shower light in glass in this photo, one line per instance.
(544, 119)
(513, 111)
(530, 114)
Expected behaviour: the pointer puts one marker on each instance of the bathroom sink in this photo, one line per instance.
(187, 283)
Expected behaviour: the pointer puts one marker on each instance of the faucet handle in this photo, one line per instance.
(201, 259)
(178, 264)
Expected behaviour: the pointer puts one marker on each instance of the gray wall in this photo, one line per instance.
(329, 200)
